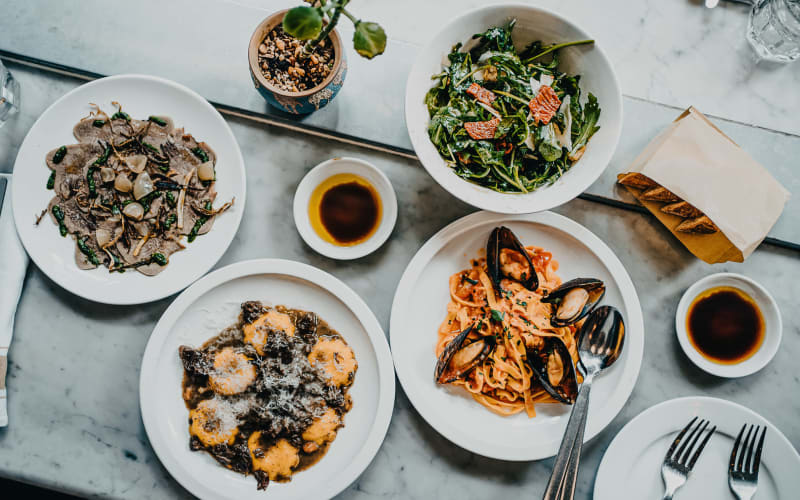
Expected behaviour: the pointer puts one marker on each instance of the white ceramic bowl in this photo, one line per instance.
(328, 169)
(589, 61)
(773, 326)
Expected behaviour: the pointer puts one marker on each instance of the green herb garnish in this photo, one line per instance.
(88, 252)
(468, 280)
(103, 158)
(59, 215)
(147, 200)
(59, 154)
(200, 153)
(121, 115)
(158, 121)
(98, 123)
(158, 258)
(51, 181)
(152, 148)
(170, 221)
(171, 201)
(498, 315)
(91, 182)
(198, 224)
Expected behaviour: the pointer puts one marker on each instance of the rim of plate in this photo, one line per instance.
(159, 289)
(606, 481)
(319, 174)
(288, 268)
(473, 194)
(634, 339)
(773, 325)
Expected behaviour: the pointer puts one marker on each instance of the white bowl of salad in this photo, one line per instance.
(513, 109)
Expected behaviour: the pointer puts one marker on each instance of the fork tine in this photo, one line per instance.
(700, 448)
(757, 460)
(732, 465)
(694, 437)
(686, 442)
(678, 438)
(740, 464)
(750, 451)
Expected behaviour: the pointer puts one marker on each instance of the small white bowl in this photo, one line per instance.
(336, 166)
(773, 326)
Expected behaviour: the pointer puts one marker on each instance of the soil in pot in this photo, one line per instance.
(279, 56)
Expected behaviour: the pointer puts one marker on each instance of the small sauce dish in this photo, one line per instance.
(345, 208)
(728, 325)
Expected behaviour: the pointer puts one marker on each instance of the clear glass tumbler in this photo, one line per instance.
(9, 95)
(774, 29)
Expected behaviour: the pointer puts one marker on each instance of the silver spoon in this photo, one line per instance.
(599, 345)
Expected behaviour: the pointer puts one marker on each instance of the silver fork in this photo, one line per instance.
(743, 473)
(678, 464)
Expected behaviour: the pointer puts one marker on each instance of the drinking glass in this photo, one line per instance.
(774, 29)
(9, 95)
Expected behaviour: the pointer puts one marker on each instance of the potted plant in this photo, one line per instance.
(296, 56)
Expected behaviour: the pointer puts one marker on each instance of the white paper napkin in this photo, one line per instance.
(13, 263)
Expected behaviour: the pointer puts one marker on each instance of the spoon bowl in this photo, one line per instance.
(600, 340)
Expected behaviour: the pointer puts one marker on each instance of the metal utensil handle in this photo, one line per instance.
(571, 473)
(575, 427)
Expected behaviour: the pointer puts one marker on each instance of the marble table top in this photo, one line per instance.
(658, 84)
(74, 364)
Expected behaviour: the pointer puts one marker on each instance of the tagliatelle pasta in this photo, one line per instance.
(517, 319)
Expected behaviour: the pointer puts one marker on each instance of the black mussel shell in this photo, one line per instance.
(564, 390)
(575, 299)
(502, 237)
(458, 359)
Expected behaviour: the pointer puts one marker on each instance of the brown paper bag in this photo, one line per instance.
(696, 161)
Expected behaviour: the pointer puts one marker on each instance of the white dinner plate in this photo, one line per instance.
(140, 96)
(588, 61)
(631, 466)
(420, 306)
(213, 303)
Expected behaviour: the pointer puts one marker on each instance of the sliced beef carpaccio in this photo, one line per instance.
(95, 210)
(87, 130)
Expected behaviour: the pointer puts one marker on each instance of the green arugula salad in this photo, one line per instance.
(507, 120)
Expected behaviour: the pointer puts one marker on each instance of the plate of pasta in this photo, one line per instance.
(484, 328)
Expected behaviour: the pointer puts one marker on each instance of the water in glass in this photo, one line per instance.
(774, 29)
(9, 94)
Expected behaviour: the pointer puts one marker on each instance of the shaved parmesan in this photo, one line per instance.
(490, 109)
(565, 136)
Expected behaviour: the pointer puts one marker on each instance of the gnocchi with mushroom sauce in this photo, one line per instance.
(268, 395)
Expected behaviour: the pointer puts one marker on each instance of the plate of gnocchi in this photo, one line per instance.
(267, 375)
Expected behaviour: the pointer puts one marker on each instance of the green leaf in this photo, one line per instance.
(548, 147)
(591, 113)
(497, 38)
(369, 39)
(303, 23)
(498, 315)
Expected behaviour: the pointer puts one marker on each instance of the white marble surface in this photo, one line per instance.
(674, 52)
(74, 364)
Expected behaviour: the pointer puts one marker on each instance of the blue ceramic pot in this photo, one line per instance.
(296, 103)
